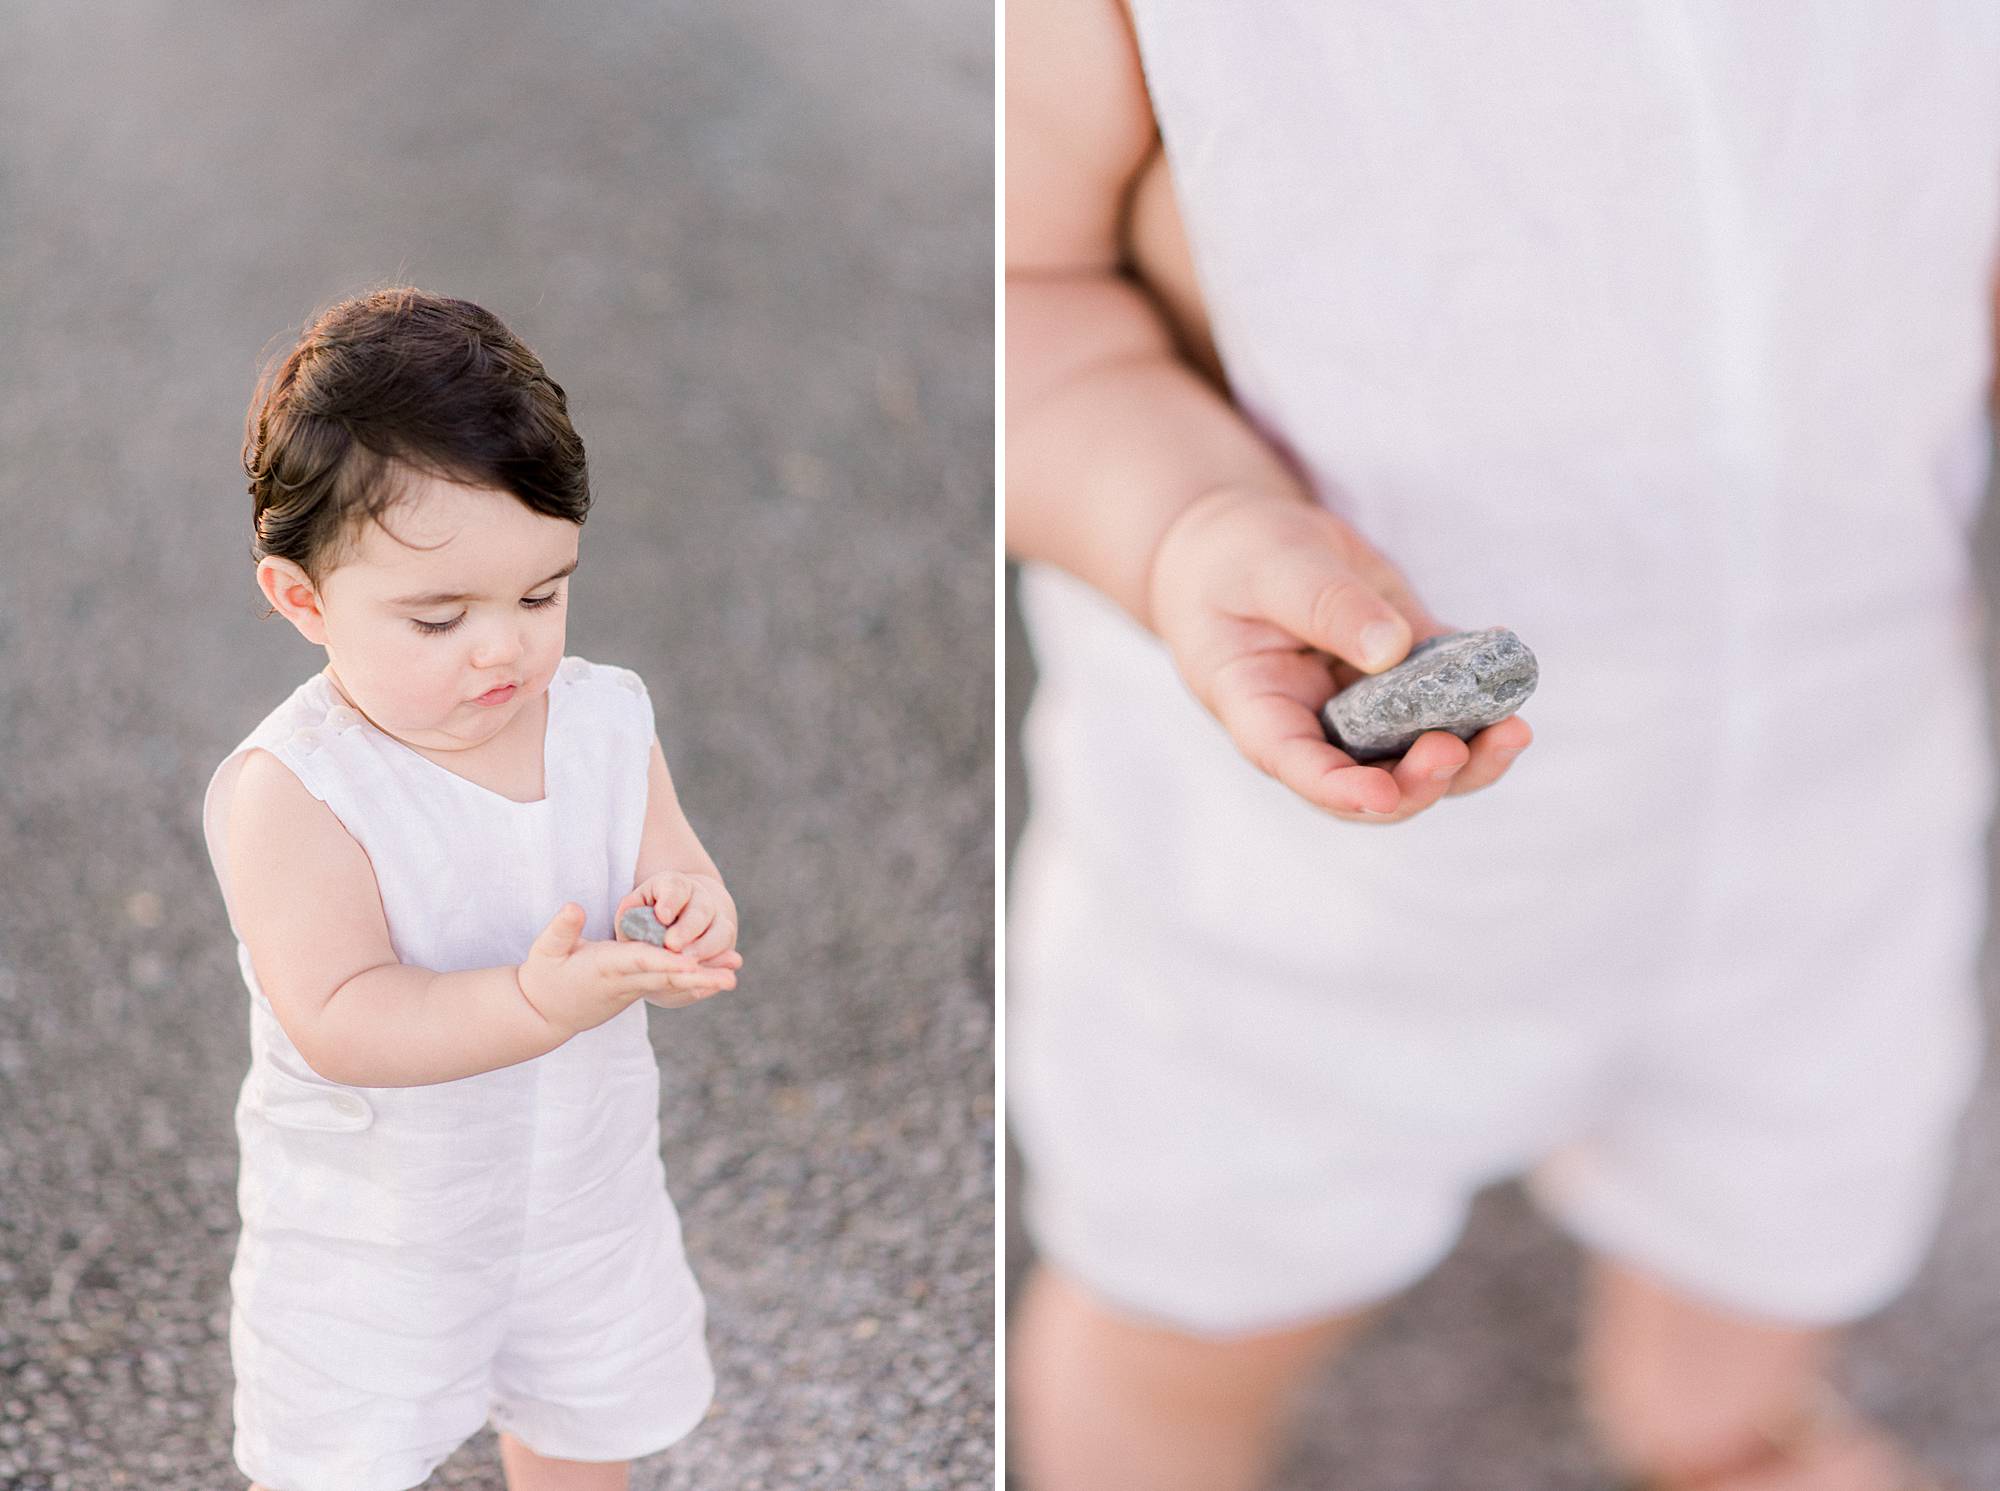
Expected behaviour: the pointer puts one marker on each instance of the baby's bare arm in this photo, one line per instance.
(668, 841)
(692, 911)
(310, 912)
(1110, 433)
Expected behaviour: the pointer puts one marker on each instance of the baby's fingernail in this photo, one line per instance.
(1378, 643)
(1445, 774)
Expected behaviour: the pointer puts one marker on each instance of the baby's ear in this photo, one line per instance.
(286, 587)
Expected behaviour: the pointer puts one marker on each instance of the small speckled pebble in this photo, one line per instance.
(640, 925)
(1461, 682)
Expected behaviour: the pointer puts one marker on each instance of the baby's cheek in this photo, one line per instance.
(427, 692)
(550, 656)
(435, 692)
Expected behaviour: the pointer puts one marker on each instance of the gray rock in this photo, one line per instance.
(1461, 682)
(640, 925)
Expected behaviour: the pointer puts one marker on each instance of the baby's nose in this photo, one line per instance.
(496, 650)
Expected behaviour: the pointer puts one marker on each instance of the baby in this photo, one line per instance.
(452, 1197)
(1660, 334)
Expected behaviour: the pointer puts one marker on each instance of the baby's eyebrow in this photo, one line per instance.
(447, 597)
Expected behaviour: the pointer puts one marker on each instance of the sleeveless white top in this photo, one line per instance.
(488, 1165)
(1534, 292)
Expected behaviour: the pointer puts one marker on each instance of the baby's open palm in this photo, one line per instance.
(577, 984)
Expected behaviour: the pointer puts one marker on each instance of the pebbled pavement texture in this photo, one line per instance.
(754, 241)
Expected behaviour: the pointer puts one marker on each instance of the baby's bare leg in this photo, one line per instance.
(528, 1471)
(1677, 1387)
(1104, 1403)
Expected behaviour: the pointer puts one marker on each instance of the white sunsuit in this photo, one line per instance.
(1660, 333)
(416, 1261)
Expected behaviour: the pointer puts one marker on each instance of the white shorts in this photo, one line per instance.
(395, 1289)
(1712, 988)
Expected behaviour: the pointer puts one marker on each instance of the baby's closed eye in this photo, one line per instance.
(439, 628)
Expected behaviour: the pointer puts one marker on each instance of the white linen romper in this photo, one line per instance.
(1658, 332)
(416, 1260)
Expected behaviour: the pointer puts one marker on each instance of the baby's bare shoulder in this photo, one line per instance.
(271, 811)
(304, 891)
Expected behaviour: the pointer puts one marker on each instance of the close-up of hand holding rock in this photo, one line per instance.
(1271, 605)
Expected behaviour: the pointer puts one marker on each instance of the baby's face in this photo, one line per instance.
(473, 598)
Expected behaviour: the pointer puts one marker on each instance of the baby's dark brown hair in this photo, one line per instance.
(393, 381)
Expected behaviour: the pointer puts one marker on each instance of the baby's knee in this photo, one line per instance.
(528, 1470)
(1064, 1330)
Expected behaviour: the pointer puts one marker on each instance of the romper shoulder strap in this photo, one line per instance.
(617, 696)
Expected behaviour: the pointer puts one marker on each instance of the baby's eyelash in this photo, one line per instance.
(439, 628)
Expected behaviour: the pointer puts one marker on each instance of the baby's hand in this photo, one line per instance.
(1251, 591)
(697, 912)
(576, 985)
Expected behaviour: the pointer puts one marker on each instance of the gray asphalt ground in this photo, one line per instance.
(1467, 1382)
(754, 241)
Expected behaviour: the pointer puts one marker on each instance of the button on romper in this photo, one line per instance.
(414, 1261)
(1660, 333)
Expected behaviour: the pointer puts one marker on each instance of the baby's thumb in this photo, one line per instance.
(1326, 604)
(559, 938)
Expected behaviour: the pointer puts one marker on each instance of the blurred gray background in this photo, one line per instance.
(1466, 1382)
(754, 241)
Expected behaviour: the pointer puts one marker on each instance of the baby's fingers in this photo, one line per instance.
(1266, 702)
(1283, 739)
(695, 918)
(671, 894)
(1493, 751)
(690, 988)
(717, 939)
(1313, 594)
(1427, 770)
(643, 960)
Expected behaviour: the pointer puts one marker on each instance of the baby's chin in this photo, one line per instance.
(464, 728)
(482, 720)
